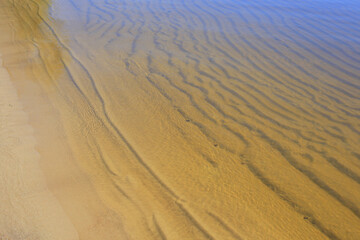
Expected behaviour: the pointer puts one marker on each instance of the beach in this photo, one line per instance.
(179, 120)
(28, 209)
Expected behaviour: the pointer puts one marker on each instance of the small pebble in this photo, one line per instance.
(188, 120)
(215, 145)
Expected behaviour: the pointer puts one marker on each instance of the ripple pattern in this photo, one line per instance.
(200, 119)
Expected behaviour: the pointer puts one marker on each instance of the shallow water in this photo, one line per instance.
(207, 119)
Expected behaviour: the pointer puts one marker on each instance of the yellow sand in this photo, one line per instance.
(28, 210)
(139, 139)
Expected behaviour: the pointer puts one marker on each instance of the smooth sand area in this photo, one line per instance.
(28, 210)
(154, 119)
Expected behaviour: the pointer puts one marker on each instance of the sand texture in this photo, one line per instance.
(169, 119)
(27, 210)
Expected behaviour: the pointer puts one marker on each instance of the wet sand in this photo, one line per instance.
(28, 209)
(179, 120)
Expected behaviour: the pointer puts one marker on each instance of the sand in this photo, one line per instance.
(179, 120)
(28, 209)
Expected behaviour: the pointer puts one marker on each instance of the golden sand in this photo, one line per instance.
(28, 210)
(179, 120)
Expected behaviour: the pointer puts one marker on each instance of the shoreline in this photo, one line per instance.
(59, 192)
(28, 209)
